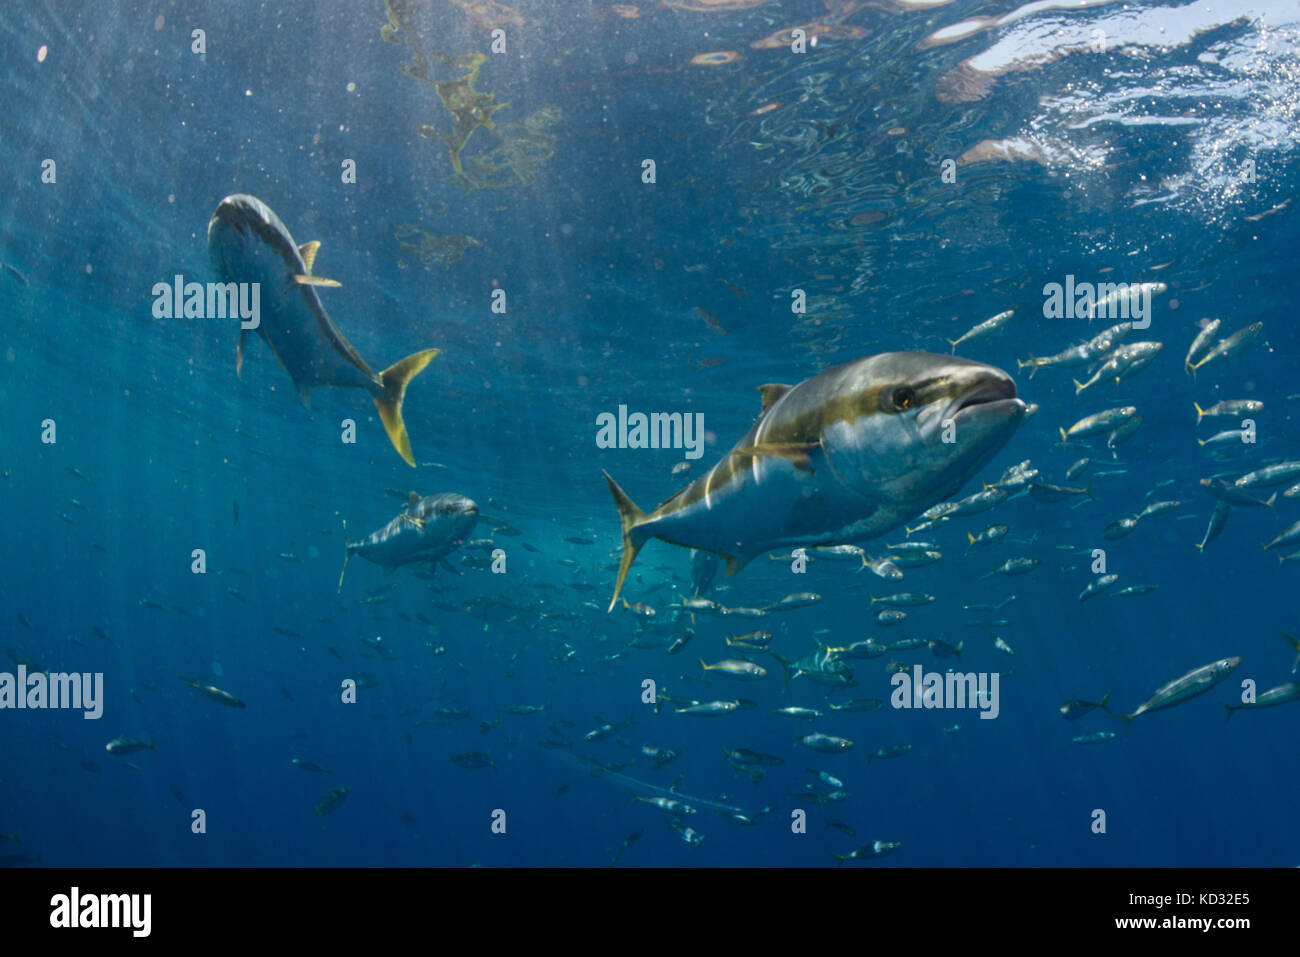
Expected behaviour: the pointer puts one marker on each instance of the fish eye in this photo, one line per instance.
(902, 398)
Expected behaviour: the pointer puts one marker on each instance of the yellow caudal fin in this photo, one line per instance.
(630, 516)
(395, 379)
(1199, 412)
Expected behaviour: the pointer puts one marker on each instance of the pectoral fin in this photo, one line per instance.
(735, 564)
(315, 281)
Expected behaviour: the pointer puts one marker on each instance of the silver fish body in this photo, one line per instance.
(839, 458)
(428, 529)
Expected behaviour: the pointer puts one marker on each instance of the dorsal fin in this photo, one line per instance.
(770, 392)
(308, 253)
(412, 500)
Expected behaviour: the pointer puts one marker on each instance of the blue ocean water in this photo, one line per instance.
(1136, 142)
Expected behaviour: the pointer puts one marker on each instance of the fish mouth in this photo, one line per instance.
(993, 395)
(249, 215)
(464, 513)
(236, 211)
(463, 507)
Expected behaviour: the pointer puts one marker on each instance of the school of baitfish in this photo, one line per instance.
(872, 469)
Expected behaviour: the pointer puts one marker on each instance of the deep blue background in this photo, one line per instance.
(837, 191)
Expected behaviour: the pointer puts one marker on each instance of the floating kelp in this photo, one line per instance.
(489, 15)
(714, 6)
(525, 145)
(430, 249)
(400, 14)
(472, 108)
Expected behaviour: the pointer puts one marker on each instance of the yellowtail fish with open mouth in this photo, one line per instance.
(840, 458)
(249, 244)
(429, 529)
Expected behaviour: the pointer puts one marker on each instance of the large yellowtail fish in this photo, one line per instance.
(839, 458)
(249, 243)
(427, 530)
